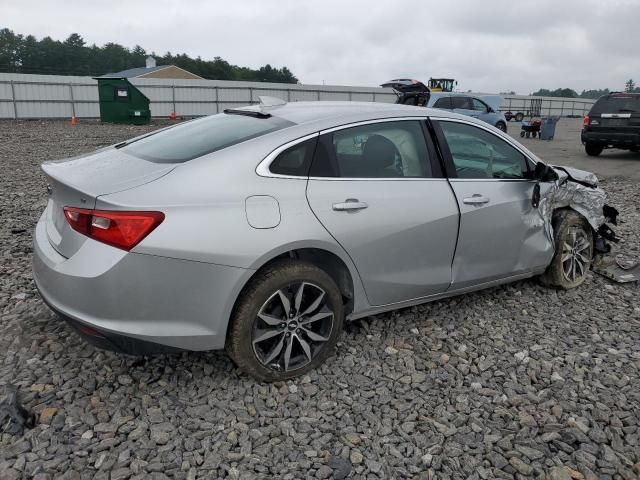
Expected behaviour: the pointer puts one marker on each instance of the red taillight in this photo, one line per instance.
(585, 121)
(121, 229)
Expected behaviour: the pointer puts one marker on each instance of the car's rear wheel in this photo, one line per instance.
(571, 262)
(593, 150)
(501, 126)
(286, 322)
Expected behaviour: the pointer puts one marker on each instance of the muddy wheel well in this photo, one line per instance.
(556, 213)
(555, 218)
(327, 261)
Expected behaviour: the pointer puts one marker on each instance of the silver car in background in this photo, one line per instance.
(485, 108)
(262, 229)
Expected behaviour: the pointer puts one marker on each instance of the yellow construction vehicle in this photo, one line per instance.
(414, 92)
(442, 84)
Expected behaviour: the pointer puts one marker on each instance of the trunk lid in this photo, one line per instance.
(406, 85)
(77, 182)
(410, 92)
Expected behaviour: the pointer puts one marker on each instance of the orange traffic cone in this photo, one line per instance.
(74, 120)
(173, 116)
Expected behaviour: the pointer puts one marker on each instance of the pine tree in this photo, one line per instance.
(630, 86)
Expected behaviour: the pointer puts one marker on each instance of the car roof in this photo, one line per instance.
(309, 118)
(330, 113)
(626, 95)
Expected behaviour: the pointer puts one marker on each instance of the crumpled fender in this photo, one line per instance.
(576, 189)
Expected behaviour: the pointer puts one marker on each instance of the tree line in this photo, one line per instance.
(27, 54)
(629, 87)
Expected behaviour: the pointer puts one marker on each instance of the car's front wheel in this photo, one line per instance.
(593, 150)
(501, 126)
(287, 321)
(573, 238)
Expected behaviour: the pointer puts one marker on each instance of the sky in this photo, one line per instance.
(489, 46)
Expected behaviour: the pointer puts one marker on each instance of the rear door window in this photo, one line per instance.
(295, 160)
(463, 103)
(199, 137)
(617, 104)
(443, 102)
(377, 150)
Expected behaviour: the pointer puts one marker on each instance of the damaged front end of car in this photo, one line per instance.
(578, 190)
(566, 187)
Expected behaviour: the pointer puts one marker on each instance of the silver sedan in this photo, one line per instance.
(262, 229)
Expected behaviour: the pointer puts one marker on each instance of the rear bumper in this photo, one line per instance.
(614, 139)
(114, 342)
(137, 303)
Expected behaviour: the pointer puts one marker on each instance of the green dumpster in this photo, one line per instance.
(122, 102)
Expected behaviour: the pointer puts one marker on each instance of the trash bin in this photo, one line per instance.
(122, 102)
(548, 128)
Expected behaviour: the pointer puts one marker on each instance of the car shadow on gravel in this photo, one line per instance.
(412, 325)
(614, 154)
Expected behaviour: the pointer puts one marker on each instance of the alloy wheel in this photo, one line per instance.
(576, 254)
(292, 327)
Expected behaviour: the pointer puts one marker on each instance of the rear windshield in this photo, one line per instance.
(617, 104)
(196, 138)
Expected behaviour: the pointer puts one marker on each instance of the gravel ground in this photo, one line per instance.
(513, 382)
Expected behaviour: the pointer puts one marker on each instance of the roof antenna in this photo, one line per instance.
(271, 101)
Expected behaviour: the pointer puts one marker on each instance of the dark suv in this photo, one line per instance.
(613, 122)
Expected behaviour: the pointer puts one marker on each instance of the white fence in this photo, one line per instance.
(53, 96)
(552, 106)
(56, 96)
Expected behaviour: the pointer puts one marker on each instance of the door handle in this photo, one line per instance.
(476, 199)
(350, 204)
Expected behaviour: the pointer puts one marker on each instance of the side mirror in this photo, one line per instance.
(490, 110)
(544, 173)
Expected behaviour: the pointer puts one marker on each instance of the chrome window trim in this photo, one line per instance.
(455, 180)
(371, 122)
(263, 167)
(376, 179)
(505, 138)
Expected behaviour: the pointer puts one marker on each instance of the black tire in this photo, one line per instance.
(264, 287)
(569, 226)
(522, 133)
(501, 126)
(592, 149)
(519, 116)
(534, 134)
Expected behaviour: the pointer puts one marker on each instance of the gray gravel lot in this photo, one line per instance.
(513, 382)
